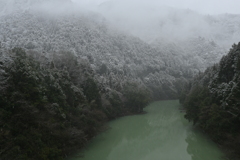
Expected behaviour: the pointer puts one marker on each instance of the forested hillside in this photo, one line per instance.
(114, 54)
(212, 101)
(65, 72)
(51, 107)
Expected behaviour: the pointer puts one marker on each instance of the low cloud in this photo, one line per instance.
(202, 6)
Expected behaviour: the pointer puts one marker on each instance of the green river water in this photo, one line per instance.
(161, 134)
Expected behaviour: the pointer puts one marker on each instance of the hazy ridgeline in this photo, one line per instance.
(66, 70)
(175, 53)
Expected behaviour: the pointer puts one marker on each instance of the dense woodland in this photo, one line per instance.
(64, 74)
(212, 101)
(47, 109)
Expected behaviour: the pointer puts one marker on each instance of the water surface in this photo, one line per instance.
(161, 134)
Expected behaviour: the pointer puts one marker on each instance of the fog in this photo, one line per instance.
(171, 20)
(151, 20)
(68, 66)
(201, 6)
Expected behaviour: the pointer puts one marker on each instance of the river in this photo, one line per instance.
(161, 134)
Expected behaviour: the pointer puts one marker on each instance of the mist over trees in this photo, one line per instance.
(88, 35)
(212, 100)
(152, 21)
(50, 108)
(65, 71)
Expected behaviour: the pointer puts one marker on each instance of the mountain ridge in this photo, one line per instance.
(150, 22)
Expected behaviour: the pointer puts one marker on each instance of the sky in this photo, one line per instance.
(201, 6)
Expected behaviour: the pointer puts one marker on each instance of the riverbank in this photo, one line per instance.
(103, 128)
(228, 151)
(229, 145)
(49, 108)
(162, 133)
(212, 102)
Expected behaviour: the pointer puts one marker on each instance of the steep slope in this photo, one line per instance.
(195, 53)
(175, 32)
(72, 72)
(72, 75)
(213, 101)
(88, 37)
(50, 108)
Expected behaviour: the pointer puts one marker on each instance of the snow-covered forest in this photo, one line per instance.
(58, 62)
(212, 101)
(89, 36)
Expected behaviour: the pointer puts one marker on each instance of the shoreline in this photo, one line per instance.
(77, 153)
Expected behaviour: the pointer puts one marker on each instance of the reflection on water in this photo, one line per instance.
(161, 134)
(200, 147)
